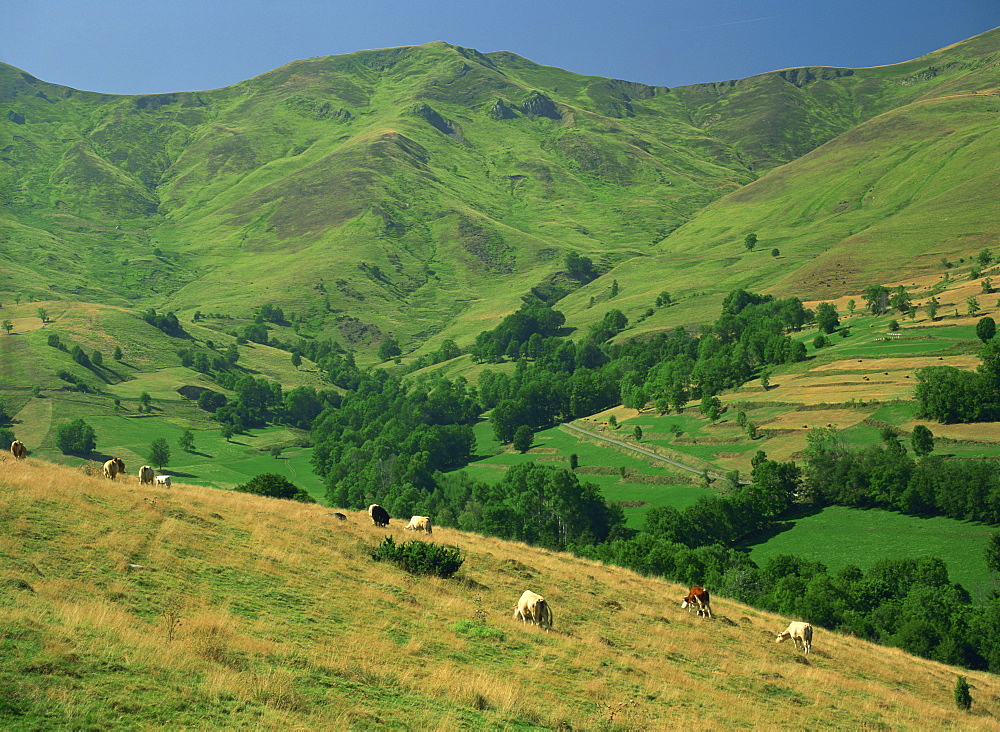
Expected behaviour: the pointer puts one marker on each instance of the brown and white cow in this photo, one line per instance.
(532, 608)
(146, 475)
(698, 600)
(18, 450)
(114, 467)
(380, 517)
(800, 633)
(419, 523)
(163, 480)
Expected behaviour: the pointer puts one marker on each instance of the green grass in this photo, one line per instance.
(839, 537)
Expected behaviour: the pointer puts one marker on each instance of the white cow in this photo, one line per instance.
(163, 480)
(419, 523)
(532, 608)
(146, 475)
(800, 633)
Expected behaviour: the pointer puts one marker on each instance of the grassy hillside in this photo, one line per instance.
(423, 190)
(196, 607)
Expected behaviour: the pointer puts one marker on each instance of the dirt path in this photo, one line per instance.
(643, 451)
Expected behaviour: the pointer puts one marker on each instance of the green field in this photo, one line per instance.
(839, 537)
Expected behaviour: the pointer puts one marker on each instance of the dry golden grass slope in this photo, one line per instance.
(193, 608)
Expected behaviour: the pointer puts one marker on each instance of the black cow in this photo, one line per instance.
(380, 517)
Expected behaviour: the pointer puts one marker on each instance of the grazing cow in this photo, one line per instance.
(114, 467)
(800, 633)
(380, 517)
(419, 523)
(163, 480)
(340, 516)
(532, 608)
(698, 600)
(146, 475)
(18, 450)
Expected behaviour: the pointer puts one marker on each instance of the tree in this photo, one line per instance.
(765, 379)
(76, 438)
(144, 400)
(986, 328)
(274, 486)
(851, 305)
(776, 252)
(922, 440)
(987, 285)
(963, 698)
(43, 315)
(580, 268)
(984, 258)
(614, 288)
(186, 441)
(118, 355)
(159, 452)
(275, 451)
(523, 437)
(819, 342)
(876, 299)
(574, 461)
(972, 304)
(750, 241)
(663, 299)
(97, 358)
(389, 349)
(296, 359)
(7, 326)
(227, 431)
(900, 300)
(992, 553)
(637, 432)
(827, 318)
(932, 308)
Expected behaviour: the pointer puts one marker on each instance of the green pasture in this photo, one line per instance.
(839, 537)
(215, 462)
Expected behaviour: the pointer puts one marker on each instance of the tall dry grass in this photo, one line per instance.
(203, 608)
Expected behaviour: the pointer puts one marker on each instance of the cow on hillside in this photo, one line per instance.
(800, 633)
(114, 467)
(380, 517)
(698, 600)
(532, 608)
(419, 523)
(18, 450)
(163, 480)
(146, 475)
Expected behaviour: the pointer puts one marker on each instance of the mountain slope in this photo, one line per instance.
(198, 607)
(425, 188)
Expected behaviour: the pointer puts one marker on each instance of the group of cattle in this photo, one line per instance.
(112, 468)
(115, 466)
(533, 608)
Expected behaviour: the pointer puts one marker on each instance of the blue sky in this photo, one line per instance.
(141, 46)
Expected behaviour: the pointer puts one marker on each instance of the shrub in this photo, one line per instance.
(274, 486)
(963, 699)
(420, 557)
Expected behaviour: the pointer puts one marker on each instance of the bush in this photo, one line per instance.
(963, 699)
(274, 486)
(76, 438)
(420, 557)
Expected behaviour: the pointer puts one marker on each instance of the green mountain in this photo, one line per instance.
(421, 191)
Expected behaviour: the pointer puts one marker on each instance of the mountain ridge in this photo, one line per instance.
(406, 161)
